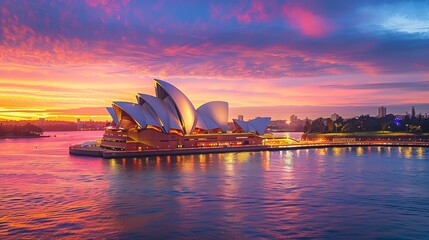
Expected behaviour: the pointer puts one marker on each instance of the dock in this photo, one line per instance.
(106, 153)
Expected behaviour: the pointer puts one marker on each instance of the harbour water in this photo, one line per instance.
(293, 135)
(370, 192)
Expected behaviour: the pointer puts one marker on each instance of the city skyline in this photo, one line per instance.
(277, 113)
(59, 60)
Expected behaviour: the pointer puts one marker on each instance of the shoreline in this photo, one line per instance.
(17, 137)
(104, 153)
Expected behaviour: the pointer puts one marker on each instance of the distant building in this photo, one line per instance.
(382, 112)
(334, 117)
(241, 117)
(78, 124)
(41, 122)
(277, 125)
(293, 120)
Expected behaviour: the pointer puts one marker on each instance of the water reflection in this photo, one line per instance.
(288, 159)
(364, 192)
(420, 153)
(46, 195)
(359, 151)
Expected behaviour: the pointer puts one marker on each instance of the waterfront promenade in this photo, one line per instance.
(105, 153)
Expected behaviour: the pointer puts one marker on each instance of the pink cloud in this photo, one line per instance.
(257, 11)
(307, 22)
(110, 7)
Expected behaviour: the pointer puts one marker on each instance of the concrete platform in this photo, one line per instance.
(105, 153)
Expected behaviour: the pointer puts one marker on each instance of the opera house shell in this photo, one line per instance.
(169, 120)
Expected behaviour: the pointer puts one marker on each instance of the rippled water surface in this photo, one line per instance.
(371, 192)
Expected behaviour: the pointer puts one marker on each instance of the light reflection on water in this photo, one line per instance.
(363, 192)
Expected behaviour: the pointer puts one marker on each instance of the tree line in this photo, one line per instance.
(366, 123)
(24, 130)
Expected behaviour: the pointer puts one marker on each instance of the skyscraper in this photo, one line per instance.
(293, 119)
(381, 111)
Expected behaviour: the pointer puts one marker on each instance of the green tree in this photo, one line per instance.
(330, 125)
(318, 125)
(26, 130)
(307, 125)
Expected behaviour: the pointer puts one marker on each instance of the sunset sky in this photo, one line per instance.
(69, 59)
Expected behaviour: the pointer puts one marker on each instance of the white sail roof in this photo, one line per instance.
(185, 109)
(200, 122)
(150, 117)
(139, 113)
(217, 112)
(134, 110)
(167, 119)
(258, 125)
(113, 115)
(242, 124)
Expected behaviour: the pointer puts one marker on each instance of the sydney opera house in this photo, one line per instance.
(170, 121)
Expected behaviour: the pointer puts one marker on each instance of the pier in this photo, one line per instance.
(106, 153)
